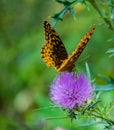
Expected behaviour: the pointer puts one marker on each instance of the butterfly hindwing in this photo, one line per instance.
(53, 52)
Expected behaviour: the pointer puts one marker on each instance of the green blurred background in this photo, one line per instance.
(25, 78)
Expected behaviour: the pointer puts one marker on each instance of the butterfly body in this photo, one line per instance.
(54, 52)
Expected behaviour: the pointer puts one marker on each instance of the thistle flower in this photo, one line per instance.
(70, 90)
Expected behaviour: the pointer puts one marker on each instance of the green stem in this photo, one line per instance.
(93, 3)
(60, 117)
(101, 117)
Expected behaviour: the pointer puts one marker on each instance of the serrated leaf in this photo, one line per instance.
(57, 16)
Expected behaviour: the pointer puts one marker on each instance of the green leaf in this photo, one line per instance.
(105, 78)
(72, 12)
(91, 124)
(110, 50)
(64, 2)
(106, 88)
(88, 70)
(85, 4)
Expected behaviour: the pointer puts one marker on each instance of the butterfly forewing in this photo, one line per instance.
(69, 63)
(53, 52)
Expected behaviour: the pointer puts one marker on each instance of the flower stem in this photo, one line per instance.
(60, 117)
(101, 117)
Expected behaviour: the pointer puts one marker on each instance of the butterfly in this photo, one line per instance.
(54, 52)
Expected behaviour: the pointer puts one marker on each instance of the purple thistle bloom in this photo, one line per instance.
(70, 90)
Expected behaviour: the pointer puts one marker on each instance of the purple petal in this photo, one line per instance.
(70, 90)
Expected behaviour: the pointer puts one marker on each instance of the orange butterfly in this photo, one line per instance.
(54, 52)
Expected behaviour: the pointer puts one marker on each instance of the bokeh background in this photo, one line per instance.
(25, 78)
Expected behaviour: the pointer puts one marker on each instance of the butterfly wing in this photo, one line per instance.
(53, 52)
(69, 63)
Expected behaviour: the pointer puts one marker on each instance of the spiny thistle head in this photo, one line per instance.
(70, 90)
